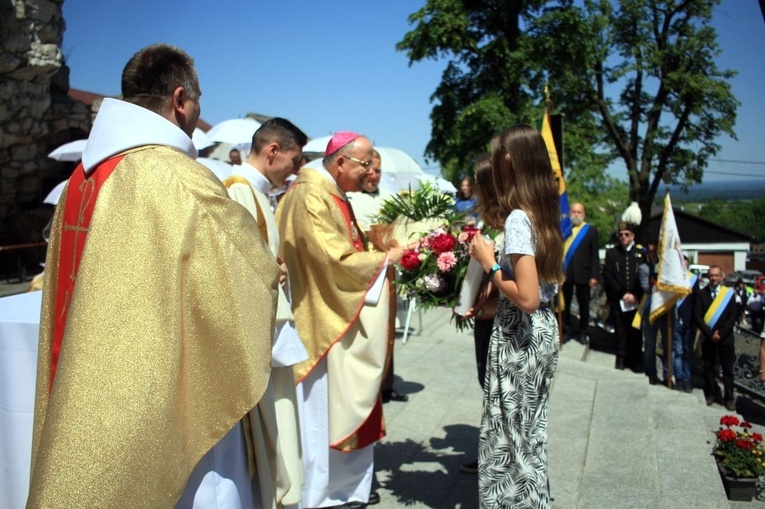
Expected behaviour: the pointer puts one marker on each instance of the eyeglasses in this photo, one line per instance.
(365, 164)
(625, 234)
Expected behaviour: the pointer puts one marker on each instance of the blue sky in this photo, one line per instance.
(332, 65)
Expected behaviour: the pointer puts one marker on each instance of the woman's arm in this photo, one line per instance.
(524, 290)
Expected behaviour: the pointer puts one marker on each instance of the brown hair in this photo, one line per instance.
(471, 182)
(151, 76)
(281, 131)
(523, 179)
(484, 181)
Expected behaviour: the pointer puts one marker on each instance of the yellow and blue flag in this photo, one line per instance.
(565, 220)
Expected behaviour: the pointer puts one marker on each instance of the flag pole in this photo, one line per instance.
(668, 353)
(561, 303)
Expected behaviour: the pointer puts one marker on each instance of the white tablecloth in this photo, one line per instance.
(19, 324)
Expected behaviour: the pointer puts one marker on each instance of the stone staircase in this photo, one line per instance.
(618, 442)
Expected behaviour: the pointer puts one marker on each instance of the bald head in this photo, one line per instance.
(576, 213)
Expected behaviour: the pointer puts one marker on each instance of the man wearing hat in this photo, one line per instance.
(622, 284)
(341, 301)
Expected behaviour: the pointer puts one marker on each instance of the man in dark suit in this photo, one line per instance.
(716, 327)
(582, 270)
(623, 292)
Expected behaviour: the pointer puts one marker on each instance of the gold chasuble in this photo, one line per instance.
(330, 275)
(150, 373)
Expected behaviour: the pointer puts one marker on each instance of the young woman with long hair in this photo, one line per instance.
(523, 351)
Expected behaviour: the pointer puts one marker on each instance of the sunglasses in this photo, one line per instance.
(625, 234)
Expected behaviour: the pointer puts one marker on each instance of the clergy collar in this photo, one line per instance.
(323, 171)
(120, 126)
(255, 178)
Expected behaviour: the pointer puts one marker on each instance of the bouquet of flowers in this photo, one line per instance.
(433, 269)
(739, 451)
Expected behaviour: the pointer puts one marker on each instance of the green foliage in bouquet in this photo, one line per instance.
(427, 202)
(432, 271)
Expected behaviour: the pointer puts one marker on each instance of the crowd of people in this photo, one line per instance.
(231, 345)
(629, 279)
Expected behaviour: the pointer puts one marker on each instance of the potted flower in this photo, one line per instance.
(740, 456)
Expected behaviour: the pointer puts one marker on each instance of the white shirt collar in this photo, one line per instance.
(120, 126)
(254, 177)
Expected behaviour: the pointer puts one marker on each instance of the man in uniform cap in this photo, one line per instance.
(622, 284)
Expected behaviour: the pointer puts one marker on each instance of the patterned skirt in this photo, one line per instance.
(512, 449)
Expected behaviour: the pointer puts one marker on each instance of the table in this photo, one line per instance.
(19, 325)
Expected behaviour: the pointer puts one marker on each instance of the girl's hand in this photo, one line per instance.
(483, 252)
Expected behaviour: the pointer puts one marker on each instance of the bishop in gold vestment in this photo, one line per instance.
(341, 304)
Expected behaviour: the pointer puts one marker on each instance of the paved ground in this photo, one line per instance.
(429, 437)
(417, 464)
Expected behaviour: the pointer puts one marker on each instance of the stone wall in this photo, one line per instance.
(36, 115)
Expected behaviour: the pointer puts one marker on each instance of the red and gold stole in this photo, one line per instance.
(80, 201)
(350, 222)
(373, 428)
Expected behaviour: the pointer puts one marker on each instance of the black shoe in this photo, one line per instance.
(583, 339)
(730, 405)
(374, 498)
(394, 396)
(710, 400)
(688, 387)
(619, 365)
(653, 380)
(469, 468)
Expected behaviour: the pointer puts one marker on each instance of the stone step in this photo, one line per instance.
(616, 441)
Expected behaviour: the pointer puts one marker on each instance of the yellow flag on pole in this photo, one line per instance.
(547, 135)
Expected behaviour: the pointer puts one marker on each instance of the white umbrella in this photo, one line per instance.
(406, 172)
(55, 193)
(219, 168)
(399, 171)
(200, 139)
(71, 151)
(318, 145)
(237, 131)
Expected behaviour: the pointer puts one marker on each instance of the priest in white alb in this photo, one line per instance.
(275, 154)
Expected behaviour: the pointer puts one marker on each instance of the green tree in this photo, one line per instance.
(742, 216)
(484, 86)
(647, 69)
(636, 79)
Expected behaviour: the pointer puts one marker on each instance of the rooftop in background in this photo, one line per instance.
(88, 98)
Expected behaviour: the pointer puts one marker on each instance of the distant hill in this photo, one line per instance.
(750, 189)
